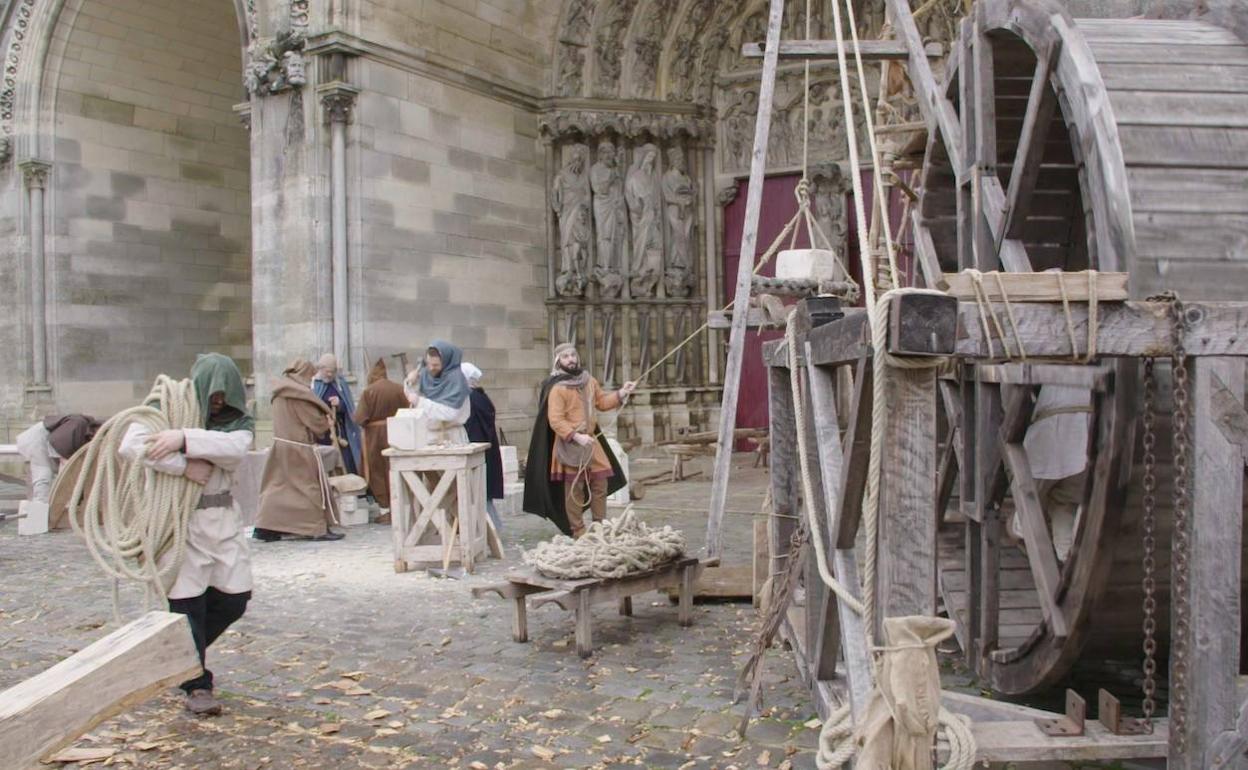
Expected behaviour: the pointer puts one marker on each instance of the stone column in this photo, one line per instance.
(710, 271)
(36, 175)
(338, 98)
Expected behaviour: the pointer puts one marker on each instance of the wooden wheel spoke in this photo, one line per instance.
(1036, 539)
(1029, 153)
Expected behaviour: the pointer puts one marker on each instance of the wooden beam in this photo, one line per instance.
(842, 341)
(907, 539)
(925, 251)
(51, 709)
(1037, 541)
(937, 110)
(823, 628)
(745, 270)
(820, 50)
(1011, 251)
(1030, 150)
(783, 469)
(1125, 329)
(1040, 287)
(1213, 586)
(834, 472)
(1229, 414)
(856, 448)
(1093, 378)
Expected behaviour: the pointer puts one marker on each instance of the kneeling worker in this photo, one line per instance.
(48, 443)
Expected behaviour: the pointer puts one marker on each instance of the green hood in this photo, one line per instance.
(215, 373)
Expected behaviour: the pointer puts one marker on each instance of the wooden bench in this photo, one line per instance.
(579, 596)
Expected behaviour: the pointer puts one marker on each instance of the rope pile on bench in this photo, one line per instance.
(613, 548)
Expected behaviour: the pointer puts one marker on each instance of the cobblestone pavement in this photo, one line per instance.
(342, 663)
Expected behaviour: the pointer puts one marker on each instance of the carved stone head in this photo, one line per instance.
(676, 158)
(647, 155)
(577, 155)
(606, 154)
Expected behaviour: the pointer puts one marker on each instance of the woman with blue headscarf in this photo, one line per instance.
(438, 390)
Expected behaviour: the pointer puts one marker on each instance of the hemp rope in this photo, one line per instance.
(612, 548)
(134, 519)
(988, 313)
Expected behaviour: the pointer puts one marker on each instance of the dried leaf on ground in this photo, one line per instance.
(541, 752)
(83, 755)
(329, 728)
(377, 714)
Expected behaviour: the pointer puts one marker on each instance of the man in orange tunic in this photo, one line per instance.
(579, 459)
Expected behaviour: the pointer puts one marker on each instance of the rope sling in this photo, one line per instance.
(133, 518)
(613, 548)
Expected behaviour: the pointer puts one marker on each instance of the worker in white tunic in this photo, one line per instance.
(48, 443)
(213, 585)
(438, 391)
(1057, 450)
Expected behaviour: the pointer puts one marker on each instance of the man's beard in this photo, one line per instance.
(573, 370)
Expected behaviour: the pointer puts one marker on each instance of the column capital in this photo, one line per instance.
(338, 99)
(35, 172)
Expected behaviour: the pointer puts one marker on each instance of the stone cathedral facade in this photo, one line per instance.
(281, 178)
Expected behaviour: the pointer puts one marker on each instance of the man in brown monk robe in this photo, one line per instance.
(295, 497)
(381, 398)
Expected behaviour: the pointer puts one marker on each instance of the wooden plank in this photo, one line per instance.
(842, 341)
(1176, 76)
(937, 110)
(907, 539)
(1038, 542)
(1213, 587)
(1163, 108)
(1041, 287)
(1023, 742)
(1178, 53)
(1158, 31)
(1090, 377)
(1011, 251)
(823, 632)
(745, 269)
(1193, 236)
(819, 50)
(784, 478)
(1125, 329)
(1194, 190)
(1228, 414)
(856, 450)
(50, 710)
(1184, 146)
(925, 252)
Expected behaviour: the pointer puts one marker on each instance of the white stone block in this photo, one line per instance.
(511, 463)
(806, 264)
(620, 497)
(407, 431)
(513, 500)
(350, 512)
(33, 518)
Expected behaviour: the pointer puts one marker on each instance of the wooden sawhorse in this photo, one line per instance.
(579, 596)
(437, 507)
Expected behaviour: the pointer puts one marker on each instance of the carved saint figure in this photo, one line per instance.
(829, 200)
(678, 195)
(570, 199)
(610, 219)
(641, 192)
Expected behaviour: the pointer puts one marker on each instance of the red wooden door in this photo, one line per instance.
(779, 206)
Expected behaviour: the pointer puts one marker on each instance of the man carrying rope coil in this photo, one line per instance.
(213, 584)
(570, 465)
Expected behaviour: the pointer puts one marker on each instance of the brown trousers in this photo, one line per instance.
(574, 497)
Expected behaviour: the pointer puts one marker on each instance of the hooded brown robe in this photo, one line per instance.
(380, 399)
(291, 496)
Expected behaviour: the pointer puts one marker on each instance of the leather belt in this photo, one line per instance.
(222, 500)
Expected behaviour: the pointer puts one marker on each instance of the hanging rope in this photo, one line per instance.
(134, 519)
(613, 548)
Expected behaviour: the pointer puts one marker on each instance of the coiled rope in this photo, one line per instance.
(613, 548)
(133, 518)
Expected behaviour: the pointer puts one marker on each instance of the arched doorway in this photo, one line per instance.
(148, 196)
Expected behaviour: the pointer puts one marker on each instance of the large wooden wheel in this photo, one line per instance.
(1114, 145)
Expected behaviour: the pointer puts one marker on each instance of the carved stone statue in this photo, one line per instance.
(610, 220)
(570, 200)
(678, 197)
(829, 205)
(641, 192)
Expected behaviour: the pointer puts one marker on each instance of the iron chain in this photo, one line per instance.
(1181, 549)
(1150, 542)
